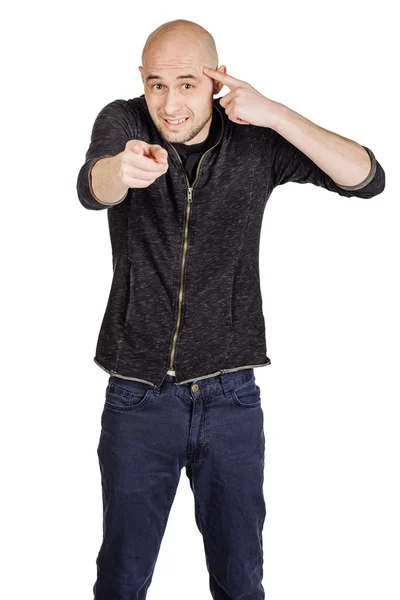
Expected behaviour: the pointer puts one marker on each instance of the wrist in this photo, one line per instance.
(106, 180)
(278, 115)
(115, 170)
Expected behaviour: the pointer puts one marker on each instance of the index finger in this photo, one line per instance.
(159, 153)
(228, 80)
(146, 163)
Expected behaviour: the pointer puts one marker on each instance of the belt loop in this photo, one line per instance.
(227, 383)
(157, 388)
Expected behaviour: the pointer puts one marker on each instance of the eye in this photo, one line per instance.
(160, 84)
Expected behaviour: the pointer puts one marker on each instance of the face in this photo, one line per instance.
(175, 87)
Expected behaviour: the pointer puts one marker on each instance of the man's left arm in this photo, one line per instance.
(350, 165)
(298, 150)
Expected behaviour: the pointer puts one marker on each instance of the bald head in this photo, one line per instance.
(178, 94)
(180, 34)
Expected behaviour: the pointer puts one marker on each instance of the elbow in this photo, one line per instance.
(84, 190)
(376, 180)
(377, 185)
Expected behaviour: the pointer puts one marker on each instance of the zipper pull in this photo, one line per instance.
(190, 190)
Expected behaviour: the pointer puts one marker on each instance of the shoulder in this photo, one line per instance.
(120, 113)
(121, 108)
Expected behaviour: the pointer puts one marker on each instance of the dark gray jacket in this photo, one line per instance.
(185, 292)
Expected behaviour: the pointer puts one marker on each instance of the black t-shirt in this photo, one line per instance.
(191, 154)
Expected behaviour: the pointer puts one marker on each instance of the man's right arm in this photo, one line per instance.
(97, 184)
(116, 160)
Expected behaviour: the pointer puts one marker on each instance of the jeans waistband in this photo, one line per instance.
(227, 380)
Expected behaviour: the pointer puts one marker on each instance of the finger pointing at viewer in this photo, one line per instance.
(141, 163)
(137, 166)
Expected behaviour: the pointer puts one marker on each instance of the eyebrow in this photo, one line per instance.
(190, 76)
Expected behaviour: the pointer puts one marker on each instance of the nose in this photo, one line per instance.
(172, 104)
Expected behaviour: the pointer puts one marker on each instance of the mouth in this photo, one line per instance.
(175, 125)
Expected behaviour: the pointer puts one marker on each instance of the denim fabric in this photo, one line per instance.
(213, 428)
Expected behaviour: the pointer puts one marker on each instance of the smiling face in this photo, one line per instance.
(175, 87)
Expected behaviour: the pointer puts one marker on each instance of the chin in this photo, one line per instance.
(179, 137)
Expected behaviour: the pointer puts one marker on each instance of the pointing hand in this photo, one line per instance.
(140, 164)
(244, 104)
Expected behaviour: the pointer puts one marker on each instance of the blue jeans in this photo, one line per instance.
(214, 428)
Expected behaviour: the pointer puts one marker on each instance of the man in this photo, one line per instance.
(185, 178)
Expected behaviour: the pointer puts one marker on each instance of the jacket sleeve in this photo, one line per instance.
(112, 128)
(288, 163)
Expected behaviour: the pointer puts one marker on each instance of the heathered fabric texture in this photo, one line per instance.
(222, 324)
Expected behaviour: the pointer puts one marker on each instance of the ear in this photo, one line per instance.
(141, 72)
(218, 85)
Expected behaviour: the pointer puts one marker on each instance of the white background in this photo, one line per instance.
(330, 281)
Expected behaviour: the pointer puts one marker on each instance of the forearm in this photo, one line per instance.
(344, 160)
(104, 181)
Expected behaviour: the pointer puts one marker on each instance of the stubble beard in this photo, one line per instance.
(181, 137)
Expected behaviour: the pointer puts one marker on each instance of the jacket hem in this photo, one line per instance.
(222, 371)
(111, 372)
(219, 372)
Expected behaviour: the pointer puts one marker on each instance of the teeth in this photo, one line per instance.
(175, 122)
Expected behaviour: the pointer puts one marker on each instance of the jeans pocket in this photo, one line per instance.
(123, 395)
(247, 394)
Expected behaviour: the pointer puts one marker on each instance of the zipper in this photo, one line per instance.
(188, 206)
